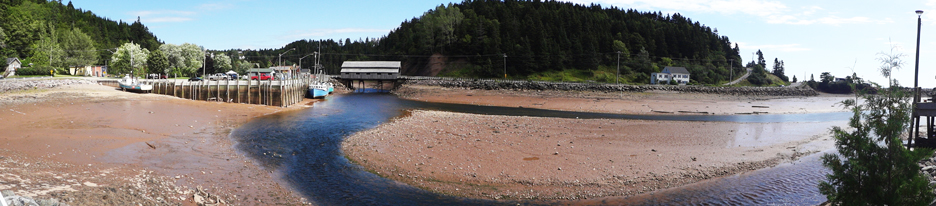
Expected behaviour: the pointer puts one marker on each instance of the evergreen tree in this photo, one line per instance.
(760, 59)
(872, 167)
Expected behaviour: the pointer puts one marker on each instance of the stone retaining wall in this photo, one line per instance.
(563, 86)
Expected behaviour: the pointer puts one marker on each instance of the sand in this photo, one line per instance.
(504, 157)
(89, 131)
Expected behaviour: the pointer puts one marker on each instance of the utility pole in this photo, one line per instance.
(731, 68)
(618, 76)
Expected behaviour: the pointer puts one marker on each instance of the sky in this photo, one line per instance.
(810, 37)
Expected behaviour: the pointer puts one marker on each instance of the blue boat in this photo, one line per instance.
(318, 89)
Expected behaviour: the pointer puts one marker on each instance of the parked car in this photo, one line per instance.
(218, 76)
(194, 79)
(263, 76)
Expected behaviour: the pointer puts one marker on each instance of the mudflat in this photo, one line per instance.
(509, 157)
(89, 144)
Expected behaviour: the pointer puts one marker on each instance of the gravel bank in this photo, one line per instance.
(25, 84)
(562, 86)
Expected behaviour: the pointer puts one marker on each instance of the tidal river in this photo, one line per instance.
(305, 148)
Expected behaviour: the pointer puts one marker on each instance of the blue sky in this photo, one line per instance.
(811, 37)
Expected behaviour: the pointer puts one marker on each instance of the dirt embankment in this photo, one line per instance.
(91, 144)
(569, 86)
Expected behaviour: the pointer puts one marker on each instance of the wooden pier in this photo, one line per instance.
(263, 92)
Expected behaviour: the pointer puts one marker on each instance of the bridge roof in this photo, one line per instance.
(369, 65)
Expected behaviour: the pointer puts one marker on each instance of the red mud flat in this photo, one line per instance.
(505, 157)
(94, 145)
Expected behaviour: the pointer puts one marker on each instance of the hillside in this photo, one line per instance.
(541, 40)
(27, 25)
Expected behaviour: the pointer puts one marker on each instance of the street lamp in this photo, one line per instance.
(279, 59)
(303, 57)
(915, 120)
(916, 68)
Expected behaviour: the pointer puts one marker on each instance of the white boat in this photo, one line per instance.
(318, 89)
(130, 83)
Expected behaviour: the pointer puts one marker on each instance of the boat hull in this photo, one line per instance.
(137, 87)
(317, 93)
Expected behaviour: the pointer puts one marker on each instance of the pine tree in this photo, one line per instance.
(872, 167)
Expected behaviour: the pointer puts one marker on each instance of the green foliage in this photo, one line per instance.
(850, 84)
(26, 22)
(222, 63)
(78, 48)
(758, 76)
(872, 167)
(35, 70)
(778, 70)
(184, 59)
(539, 38)
(157, 63)
(129, 58)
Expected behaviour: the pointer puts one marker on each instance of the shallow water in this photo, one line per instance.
(305, 147)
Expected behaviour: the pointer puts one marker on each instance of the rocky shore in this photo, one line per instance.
(14, 85)
(566, 86)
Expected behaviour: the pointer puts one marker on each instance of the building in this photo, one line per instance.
(257, 71)
(370, 70)
(12, 65)
(678, 75)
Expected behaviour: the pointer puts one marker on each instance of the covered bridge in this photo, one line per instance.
(370, 70)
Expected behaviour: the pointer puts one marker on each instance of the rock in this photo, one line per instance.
(14, 200)
(928, 168)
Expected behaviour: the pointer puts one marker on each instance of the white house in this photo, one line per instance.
(12, 65)
(677, 74)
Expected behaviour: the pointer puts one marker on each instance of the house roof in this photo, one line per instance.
(378, 70)
(676, 70)
(371, 64)
(11, 60)
(260, 70)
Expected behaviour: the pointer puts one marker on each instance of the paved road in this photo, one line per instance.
(740, 78)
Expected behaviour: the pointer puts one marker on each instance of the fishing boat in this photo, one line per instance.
(130, 83)
(331, 87)
(318, 89)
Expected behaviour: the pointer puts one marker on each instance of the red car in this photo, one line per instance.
(263, 76)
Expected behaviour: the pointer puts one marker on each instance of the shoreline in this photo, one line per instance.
(123, 143)
(628, 102)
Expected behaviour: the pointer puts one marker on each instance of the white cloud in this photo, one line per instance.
(308, 34)
(166, 19)
(162, 12)
(215, 6)
(773, 12)
(776, 47)
(163, 16)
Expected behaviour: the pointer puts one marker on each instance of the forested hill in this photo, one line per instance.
(542, 40)
(28, 28)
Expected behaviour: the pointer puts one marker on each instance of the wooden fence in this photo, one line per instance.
(264, 92)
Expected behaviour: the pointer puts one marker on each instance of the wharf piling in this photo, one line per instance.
(263, 92)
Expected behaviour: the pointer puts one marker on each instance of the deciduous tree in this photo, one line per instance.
(129, 58)
(157, 63)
